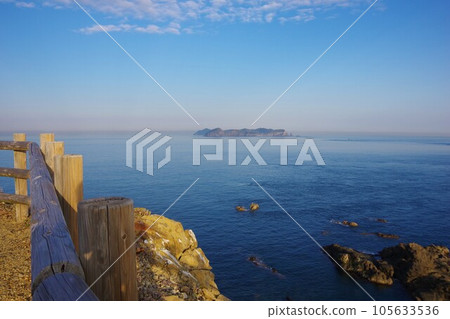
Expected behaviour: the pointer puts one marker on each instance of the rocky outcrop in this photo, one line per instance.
(170, 264)
(218, 132)
(361, 265)
(383, 235)
(425, 271)
(351, 224)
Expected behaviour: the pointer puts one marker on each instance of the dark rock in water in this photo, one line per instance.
(392, 236)
(351, 224)
(259, 263)
(382, 235)
(381, 220)
(425, 271)
(362, 265)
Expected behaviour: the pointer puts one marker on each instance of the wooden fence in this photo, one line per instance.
(56, 271)
(71, 251)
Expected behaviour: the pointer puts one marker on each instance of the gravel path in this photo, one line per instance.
(15, 259)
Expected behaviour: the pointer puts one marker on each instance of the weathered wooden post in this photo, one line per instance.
(106, 245)
(44, 138)
(53, 149)
(20, 161)
(69, 185)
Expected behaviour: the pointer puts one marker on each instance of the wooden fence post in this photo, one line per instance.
(106, 231)
(53, 149)
(44, 138)
(20, 161)
(69, 185)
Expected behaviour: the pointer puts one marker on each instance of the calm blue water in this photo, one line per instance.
(404, 180)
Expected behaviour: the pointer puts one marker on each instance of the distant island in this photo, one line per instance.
(218, 132)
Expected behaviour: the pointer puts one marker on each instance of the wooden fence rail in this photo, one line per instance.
(104, 229)
(14, 146)
(55, 263)
(56, 272)
(15, 172)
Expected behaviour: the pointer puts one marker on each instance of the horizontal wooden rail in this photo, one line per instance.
(14, 146)
(56, 272)
(15, 199)
(14, 172)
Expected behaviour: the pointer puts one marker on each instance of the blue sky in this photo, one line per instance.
(225, 62)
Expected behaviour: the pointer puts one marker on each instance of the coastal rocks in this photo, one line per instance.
(391, 236)
(351, 224)
(425, 271)
(362, 265)
(382, 235)
(171, 266)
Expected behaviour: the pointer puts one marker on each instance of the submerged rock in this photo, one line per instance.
(425, 271)
(381, 220)
(259, 263)
(382, 235)
(361, 265)
(171, 266)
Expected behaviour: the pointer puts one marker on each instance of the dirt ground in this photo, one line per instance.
(15, 258)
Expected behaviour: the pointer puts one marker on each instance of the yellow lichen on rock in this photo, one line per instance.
(171, 266)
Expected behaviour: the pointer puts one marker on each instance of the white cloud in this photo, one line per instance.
(22, 4)
(165, 16)
(173, 28)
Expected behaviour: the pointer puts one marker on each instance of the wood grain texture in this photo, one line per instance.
(15, 199)
(21, 185)
(106, 231)
(53, 149)
(63, 287)
(52, 249)
(44, 138)
(71, 191)
(14, 172)
(14, 146)
(58, 179)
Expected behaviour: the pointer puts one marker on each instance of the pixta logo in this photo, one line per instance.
(151, 144)
(309, 146)
(149, 141)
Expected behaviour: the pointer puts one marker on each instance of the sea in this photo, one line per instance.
(403, 179)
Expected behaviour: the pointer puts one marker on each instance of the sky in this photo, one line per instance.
(225, 62)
